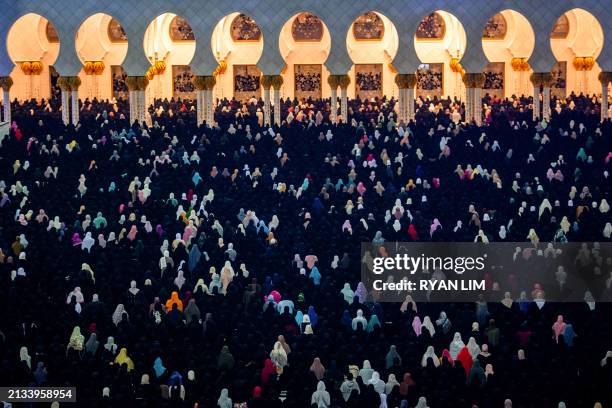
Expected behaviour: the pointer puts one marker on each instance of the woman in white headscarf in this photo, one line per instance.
(25, 356)
(320, 397)
(430, 353)
(607, 231)
(366, 372)
(224, 400)
(77, 340)
(391, 383)
(179, 281)
(278, 355)
(456, 345)
(348, 293)
(110, 345)
(422, 403)
(428, 325)
(78, 295)
(118, 314)
(88, 242)
(473, 348)
(377, 383)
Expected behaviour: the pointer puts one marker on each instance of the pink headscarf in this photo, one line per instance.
(275, 295)
(76, 239)
(346, 226)
(558, 327)
(132, 234)
(416, 325)
(434, 225)
(310, 260)
(361, 188)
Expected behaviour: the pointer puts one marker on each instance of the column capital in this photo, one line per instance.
(268, 81)
(69, 83)
(6, 82)
(204, 82)
(473, 79)
(338, 80)
(137, 83)
(404, 81)
(541, 79)
(605, 77)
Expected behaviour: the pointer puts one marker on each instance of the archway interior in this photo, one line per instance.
(169, 44)
(101, 39)
(439, 40)
(576, 41)
(33, 38)
(305, 43)
(372, 42)
(508, 41)
(237, 43)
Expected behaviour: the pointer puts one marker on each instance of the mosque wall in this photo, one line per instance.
(25, 39)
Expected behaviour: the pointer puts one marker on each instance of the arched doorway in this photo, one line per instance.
(305, 44)
(576, 41)
(101, 45)
(508, 41)
(372, 42)
(169, 44)
(440, 41)
(237, 43)
(33, 45)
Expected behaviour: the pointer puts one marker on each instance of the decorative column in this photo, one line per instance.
(137, 86)
(75, 82)
(541, 79)
(343, 82)
(473, 103)
(6, 83)
(333, 81)
(205, 109)
(65, 85)
(406, 83)
(605, 77)
(277, 82)
(266, 83)
(546, 112)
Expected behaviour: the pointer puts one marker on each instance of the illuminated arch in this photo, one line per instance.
(440, 42)
(304, 55)
(237, 43)
(169, 45)
(576, 40)
(101, 46)
(372, 47)
(508, 70)
(33, 45)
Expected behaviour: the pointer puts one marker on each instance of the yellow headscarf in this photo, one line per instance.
(122, 358)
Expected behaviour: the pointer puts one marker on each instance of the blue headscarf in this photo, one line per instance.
(262, 225)
(159, 367)
(339, 184)
(194, 257)
(315, 275)
(314, 318)
(196, 179)
(175, 379)
(569, 334)
(372, 323)
(346, 319)
(317, 206)
(299, 318)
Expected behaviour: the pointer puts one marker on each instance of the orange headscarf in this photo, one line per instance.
(174, 299)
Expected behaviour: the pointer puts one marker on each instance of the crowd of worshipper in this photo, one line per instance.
(177, 264)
